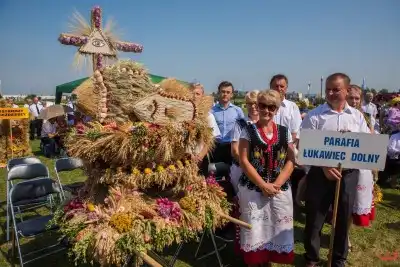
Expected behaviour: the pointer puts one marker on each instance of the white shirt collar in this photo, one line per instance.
(326, 108)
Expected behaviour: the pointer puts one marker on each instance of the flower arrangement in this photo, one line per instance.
(143, 192)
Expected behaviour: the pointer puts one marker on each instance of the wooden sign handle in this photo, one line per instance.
(149, 260)
(234, 220)
(335, 209)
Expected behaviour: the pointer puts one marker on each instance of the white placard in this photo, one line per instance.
(352, 150)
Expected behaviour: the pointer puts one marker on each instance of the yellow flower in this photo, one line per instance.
(188, 203)
(147, 171)
(282, 156)
(135, 171)
(257, 155)
(187, 162)
(90, 207)
(171, 167)
(160, 168)
(179, 163)
(122, 222)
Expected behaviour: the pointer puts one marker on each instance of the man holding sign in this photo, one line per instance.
(335, 115)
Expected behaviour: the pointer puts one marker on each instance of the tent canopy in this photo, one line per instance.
(67, 88)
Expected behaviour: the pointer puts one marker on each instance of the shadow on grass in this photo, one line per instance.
(393, 226)
(391, 200)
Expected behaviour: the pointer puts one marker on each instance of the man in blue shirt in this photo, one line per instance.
(226, 114)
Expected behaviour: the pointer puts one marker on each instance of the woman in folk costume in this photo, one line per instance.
(265, 199)
(364, 209)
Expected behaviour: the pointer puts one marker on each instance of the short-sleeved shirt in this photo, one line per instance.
(289, 116)
(213, 124)
(238, 129)
(325, 119)
(372, 110)
(226, 119)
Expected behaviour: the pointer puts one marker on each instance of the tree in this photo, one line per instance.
(30, 96)
(384, 91)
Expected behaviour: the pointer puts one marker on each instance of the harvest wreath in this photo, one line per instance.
(143, 191)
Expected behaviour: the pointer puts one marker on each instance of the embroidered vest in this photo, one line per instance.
(267, 156)
(242, 124)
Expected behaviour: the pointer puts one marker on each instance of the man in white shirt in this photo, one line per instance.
(335, 115)
(201, 150)
(36, 124)
(369, 107)
(288, 114)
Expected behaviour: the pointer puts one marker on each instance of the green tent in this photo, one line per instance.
(67, 88)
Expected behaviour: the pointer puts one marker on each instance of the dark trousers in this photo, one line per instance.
(320, 195)
(35, 127)
(222, 153)
(52, 144)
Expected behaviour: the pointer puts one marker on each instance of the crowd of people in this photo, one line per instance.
(50, 132)
(261, 150)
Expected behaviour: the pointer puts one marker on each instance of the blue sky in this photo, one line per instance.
(245, 42)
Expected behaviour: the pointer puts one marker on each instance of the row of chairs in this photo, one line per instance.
(29, 187)
(37, 189)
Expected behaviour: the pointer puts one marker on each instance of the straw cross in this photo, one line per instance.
(96, 43)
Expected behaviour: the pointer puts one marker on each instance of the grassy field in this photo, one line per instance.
(368, 243)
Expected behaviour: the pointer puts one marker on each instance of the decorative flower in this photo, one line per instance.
(168, 209)
(90, 207)
(122, 222)
(282, 156)
(187, 162)
(73, 205)
(188, 203)
(160, 168)
(135, 171)
(257, 155)
(171, 167)
(147, 171)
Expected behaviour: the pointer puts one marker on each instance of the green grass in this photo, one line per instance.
(368, 243)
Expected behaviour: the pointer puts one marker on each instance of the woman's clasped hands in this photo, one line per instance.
(270, 189)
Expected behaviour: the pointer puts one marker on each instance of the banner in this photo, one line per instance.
(352, 150)
(14, 113)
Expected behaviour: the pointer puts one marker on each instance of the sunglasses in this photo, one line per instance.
(251, 103)
(262, 106)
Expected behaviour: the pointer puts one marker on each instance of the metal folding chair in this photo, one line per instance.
(68, 164)
(28, 191)
(20, 161)
(24, 172)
